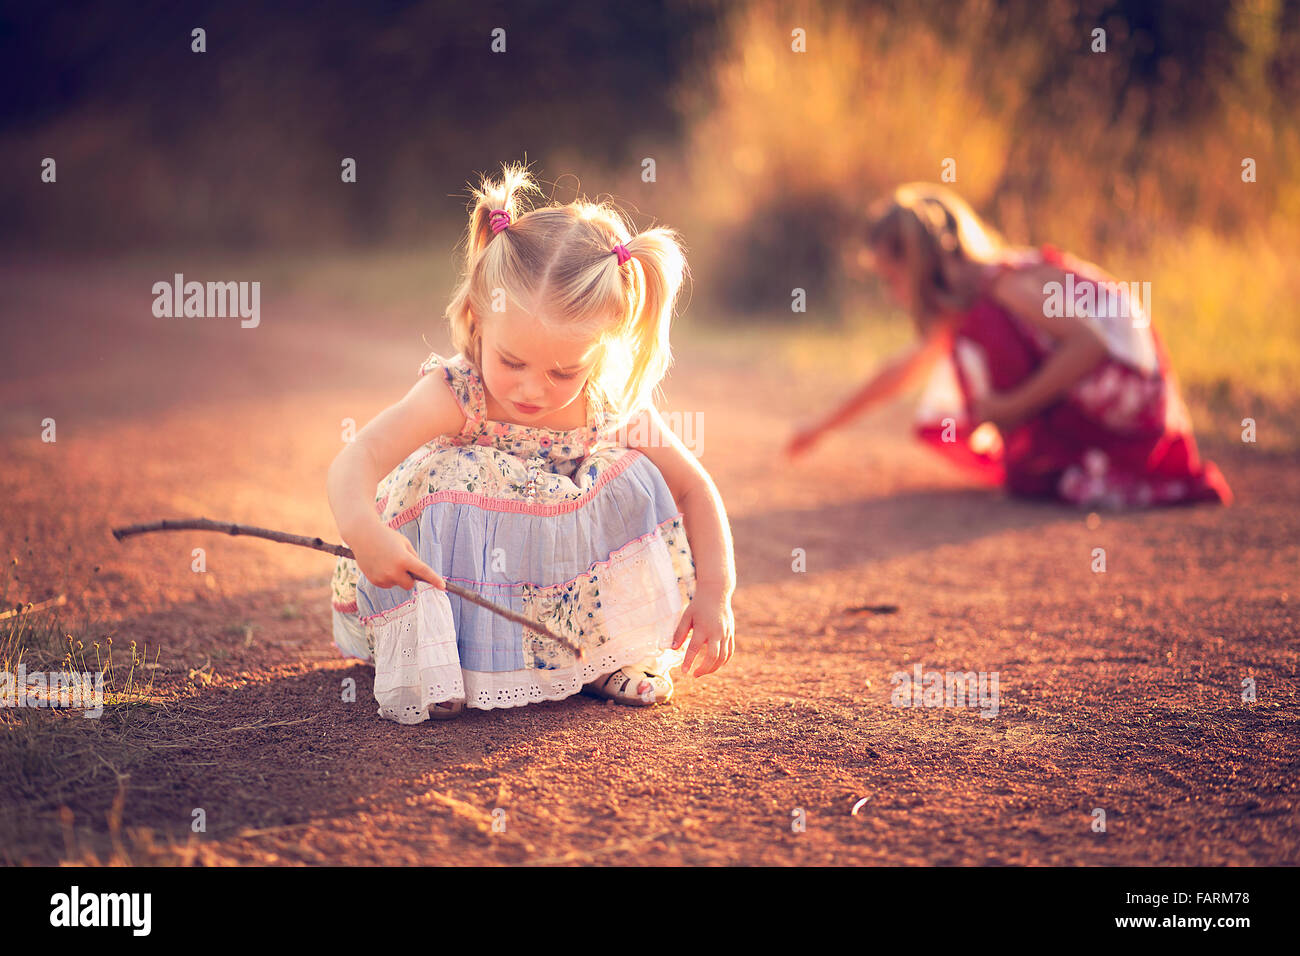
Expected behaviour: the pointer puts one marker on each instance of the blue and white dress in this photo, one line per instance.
(568, 528)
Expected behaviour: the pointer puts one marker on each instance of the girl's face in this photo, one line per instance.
(894, 272)
(529, 370)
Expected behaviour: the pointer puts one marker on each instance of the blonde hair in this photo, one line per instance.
(933, 234)
(559, 261)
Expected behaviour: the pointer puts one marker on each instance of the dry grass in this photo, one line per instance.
(54, 757)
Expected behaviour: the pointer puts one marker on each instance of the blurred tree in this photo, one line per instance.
(243, 142)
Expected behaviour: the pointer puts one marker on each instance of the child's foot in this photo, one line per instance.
(632, 687)
(447, 709)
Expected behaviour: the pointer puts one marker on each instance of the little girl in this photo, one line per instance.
(1047, 376)
(519, 487)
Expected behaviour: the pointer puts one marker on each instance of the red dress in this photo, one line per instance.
(1120, 437)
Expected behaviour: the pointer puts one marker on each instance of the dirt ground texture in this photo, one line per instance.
(1119, 691)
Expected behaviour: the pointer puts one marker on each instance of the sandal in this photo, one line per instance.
(446, 709)
(632, 687)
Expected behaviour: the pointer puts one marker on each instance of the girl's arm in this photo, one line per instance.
(385, 556)
(896, 375)
(1081, 348)
(709, 535)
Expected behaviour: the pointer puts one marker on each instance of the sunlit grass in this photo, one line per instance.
(37, 637)
(1229, 311)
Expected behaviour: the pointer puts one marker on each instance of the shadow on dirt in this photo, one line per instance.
(296, 748)
(850, 534)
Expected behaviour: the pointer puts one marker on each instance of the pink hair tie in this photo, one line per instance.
(499, 219)
(623, 255)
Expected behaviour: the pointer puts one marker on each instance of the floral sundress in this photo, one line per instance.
(568, 528)
(1120, 437)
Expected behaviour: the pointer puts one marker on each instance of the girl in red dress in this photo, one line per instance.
(1045, 373)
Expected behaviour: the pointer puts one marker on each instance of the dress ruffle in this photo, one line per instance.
(622, 611)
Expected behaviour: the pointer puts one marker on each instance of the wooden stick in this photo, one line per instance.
(206, 524)
(29, 607)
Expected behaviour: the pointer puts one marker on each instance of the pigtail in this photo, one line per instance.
(658, 267)
(507, 193)
(483, 251)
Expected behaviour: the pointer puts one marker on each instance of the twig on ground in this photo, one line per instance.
(28, 608)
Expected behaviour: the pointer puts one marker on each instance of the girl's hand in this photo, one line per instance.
(803, 440)
(997, 408)
(714, 640)
(389, 560)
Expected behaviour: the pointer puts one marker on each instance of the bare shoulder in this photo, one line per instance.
(648, 433)
(1023, 291)
(1027, 292)
(428, 410)
(642, 427)
(432, 406)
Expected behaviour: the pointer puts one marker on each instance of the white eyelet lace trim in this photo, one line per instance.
(417, 662)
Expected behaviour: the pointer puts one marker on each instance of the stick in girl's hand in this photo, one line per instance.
(206, 524)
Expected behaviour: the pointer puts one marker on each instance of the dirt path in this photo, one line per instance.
(1119, 691)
